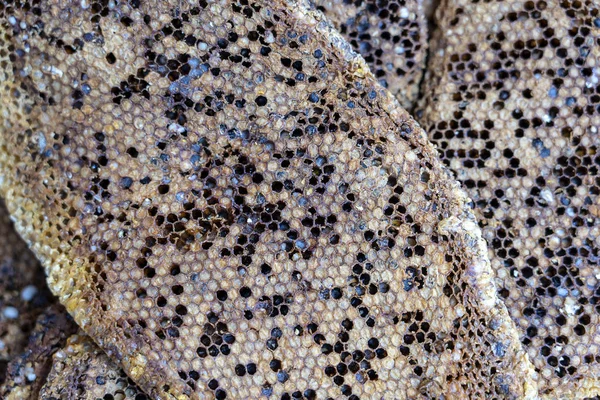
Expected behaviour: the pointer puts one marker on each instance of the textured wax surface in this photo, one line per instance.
(23, 292)
(26, 373)
(81, 371)
(224, 228)
(390, 35)
(514, 111)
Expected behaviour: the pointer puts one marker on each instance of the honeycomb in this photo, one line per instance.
(82, 371)
(515, 113)
(23, 293)
(26, 373)
(390, 35)
(224, 229)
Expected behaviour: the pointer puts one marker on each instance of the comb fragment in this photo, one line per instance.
(222, 228)
(80, 370)
(512, 100)
(26, 373)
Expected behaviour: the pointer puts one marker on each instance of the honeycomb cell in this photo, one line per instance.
(223, 229)
(515, 112)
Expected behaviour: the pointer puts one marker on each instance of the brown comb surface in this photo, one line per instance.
(512, 102)
(390, 35)
(27, 372)
(23, 292)
(224, 229)
(81, 371)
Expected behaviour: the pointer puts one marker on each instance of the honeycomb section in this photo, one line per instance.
(23, 292)
(27, 372)
(80, 370)
(225, 229)
(512, 100)
(391, 35)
